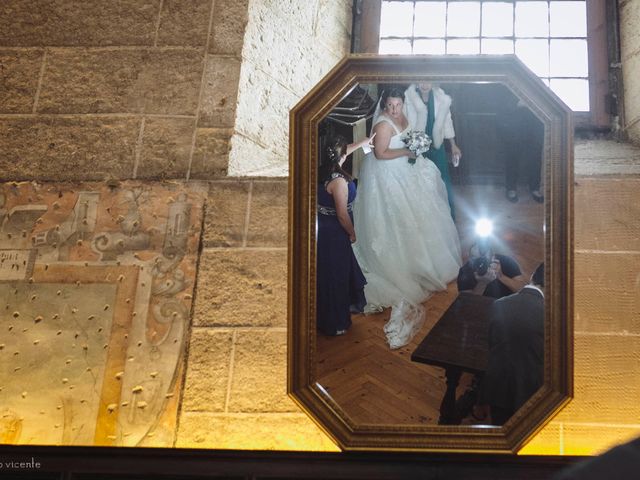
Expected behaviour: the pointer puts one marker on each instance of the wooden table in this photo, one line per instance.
(458, 342)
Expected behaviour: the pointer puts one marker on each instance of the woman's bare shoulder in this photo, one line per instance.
(336, 179)
(383, 124)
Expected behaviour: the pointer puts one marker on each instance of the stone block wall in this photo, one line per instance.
(235, 389)
(157, 89)
(604, 410)
(289, 46)
(629, 13)
(154, 89)
(142, 89)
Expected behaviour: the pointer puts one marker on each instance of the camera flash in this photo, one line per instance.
(484, 227)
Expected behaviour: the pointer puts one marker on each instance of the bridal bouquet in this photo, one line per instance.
(418, 142)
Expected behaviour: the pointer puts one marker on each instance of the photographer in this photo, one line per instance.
(516, 351)
(489, 274)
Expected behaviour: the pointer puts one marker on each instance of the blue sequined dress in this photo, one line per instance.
(340, 282)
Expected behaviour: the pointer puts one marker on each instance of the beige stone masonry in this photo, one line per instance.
(268, 223)
(220, 89)
(227, 34)
(242, 287)
(630, 65)
(67, 148)
(629, 14)
(288, 48)
(78, 23)
(211, 153)
(333, 25)
(19, 79)
(116, 89)
(278, 431)
(613, 277)
(226, 214)
(181, 24)
(604, 409)
(208, 370)
(577, 438)
(161, 81)
(611, 225)
(606, 157)
(166, 145)
(263, 116)
(602, 374)
(270, 162)
(260, 373)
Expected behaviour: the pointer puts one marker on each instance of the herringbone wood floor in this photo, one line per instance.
(376, 385)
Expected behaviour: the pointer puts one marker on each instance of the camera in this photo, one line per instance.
(480, 265)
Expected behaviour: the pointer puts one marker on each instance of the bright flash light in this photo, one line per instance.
(484, 227)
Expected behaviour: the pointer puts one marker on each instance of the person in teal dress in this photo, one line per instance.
(428, 109)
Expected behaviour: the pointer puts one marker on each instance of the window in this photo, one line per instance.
(561, 41)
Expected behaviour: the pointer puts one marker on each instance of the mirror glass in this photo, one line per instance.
(426, 309)
(415, 322)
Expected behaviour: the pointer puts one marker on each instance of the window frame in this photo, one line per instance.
(366, 39)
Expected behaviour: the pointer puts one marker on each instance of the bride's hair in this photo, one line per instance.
(393, 92)
(335, 148)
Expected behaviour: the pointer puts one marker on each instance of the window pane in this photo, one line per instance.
(532, 19)
(497, 19)
(463, 19)
(574, 92)
(568, 19)
(568, 58)
(496, 46)
(395, 46)
(535, 55)
(396, 19)
(463, 46)
(430, 19)
(434, 47)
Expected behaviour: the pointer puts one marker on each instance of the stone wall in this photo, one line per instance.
(148, 89)
(235, 395)
(604, 410)
(131, 89)
(289, 46)
(629, 12)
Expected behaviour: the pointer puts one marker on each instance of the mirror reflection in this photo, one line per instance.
(430, 243)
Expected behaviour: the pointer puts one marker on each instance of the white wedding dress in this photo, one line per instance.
(407, 244)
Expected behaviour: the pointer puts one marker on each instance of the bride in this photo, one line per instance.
(408, 245)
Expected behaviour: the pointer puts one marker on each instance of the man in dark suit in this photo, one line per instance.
(516, 350)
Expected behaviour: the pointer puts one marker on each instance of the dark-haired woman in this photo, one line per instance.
(340, 282)
(408, 245)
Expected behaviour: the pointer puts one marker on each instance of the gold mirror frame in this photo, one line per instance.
(558, 368)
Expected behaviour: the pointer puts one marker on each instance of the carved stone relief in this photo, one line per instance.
(96, 285)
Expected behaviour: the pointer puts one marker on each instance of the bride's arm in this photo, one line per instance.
(384, 132)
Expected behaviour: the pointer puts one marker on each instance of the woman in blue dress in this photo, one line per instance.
(340, 282)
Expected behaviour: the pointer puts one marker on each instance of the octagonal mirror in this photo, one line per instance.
(430, 300)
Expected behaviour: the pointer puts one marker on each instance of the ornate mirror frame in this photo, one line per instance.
(558, 369)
